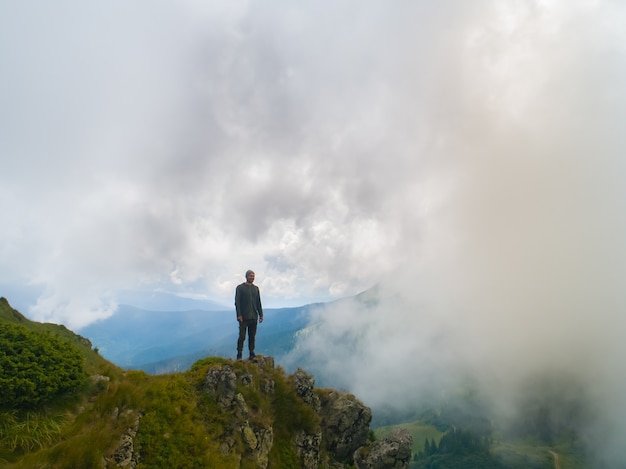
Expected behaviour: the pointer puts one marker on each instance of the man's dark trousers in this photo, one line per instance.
(249, 324)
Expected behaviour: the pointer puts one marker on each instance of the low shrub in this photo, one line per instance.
(36, 367)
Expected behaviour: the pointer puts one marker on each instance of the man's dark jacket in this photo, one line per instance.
(248, 302)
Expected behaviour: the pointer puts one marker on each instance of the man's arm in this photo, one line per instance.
(260, 308)
(238, 304)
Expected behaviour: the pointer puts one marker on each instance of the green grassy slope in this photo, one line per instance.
(94, 363)
(519, 453)
(180, 425)
(523, 453)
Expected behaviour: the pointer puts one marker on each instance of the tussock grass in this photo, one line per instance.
(28, 432)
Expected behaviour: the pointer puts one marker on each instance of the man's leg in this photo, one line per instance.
(252, 337)
(241, 339)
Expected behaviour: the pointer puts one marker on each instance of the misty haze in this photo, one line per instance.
(461, 163)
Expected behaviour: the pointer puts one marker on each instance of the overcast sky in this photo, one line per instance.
(327, 145)
(466, 156)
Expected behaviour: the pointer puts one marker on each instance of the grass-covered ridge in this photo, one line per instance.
(172, 419)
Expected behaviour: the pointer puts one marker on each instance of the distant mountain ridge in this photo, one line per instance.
(159, 341)
(148, 336)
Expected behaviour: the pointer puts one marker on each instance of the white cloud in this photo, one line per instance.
(470, 152)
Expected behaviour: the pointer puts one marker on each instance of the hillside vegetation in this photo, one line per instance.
(81, 411)
(64, 406)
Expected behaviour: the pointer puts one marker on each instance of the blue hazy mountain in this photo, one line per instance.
(160, 341)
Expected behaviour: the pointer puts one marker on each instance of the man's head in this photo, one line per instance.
(250, 276)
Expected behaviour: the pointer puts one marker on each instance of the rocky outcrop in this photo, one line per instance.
(264, 362)
(124, 456)
(308, 449)
(393, 452)
(307, 444)
(84, 340)
(342, 428)
(305, 388)
(221, 382)
(258, 440)
(345, 424)
(101, 382)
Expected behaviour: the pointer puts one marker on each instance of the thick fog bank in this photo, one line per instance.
(512, 257)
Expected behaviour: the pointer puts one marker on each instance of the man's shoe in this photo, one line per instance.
(239, 356)
(252, 355)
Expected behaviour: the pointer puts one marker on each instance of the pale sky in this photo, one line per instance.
(329, 146)
(467, 156)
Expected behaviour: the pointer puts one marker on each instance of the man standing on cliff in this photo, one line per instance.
(249, 312)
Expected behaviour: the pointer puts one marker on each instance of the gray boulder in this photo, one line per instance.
(345, 424)
(393, 452)
(221, 383)
(305, 388)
